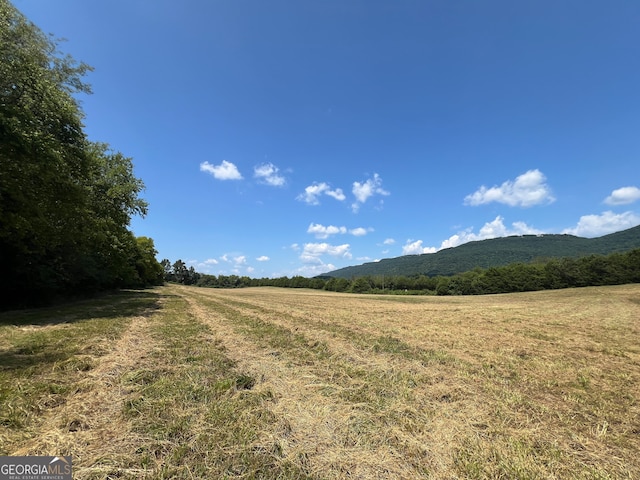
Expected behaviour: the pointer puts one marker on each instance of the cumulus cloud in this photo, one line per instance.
(606, 222)
(389, 241)
(314, 191)
(263, 258)
(494, 229)
(623, 196)
(526, 190)
(225, 171)
(359, 231)
(322, 231)
(311, 252)
(365, 190)
(237, 260)
(338, 194)
(268, 174)
(309, 270)
(415, 248)
(211, 261)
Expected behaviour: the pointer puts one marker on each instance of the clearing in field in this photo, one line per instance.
(181, 382)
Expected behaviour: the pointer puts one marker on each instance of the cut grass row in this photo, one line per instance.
(518, 409)
(197, 414)
(45, 353)
(182, 411)
(267, 383)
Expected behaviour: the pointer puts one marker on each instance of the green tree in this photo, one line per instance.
(337, 285)
(41, 153)
(180, 271)
(167, 270)
(442, 286)
(65, 202)
(361, 285)
(151, 272)
(192, 276)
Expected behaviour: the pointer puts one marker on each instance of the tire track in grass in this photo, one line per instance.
(378, 403)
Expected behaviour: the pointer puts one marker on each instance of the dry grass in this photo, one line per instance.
(537, 385)
(274, 383)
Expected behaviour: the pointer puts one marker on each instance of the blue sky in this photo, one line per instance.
(296, 137)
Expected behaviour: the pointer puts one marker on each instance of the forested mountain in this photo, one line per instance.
(494, 253)
(65, 201)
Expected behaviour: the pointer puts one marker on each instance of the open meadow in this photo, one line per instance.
(185, 382)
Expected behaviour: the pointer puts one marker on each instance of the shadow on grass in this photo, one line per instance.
(15, 359)
(123, 303)
(41, 346)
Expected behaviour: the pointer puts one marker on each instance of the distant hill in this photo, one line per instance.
(494, 253)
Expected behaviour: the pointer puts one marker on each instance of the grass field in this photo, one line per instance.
(180, 382)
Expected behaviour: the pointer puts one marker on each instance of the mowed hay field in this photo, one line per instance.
(181, 382)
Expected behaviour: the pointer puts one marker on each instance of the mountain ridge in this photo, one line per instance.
(495, 252)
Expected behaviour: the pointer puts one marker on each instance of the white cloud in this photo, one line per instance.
(309, 270)
(337, 194)
(263, 258)
(364, 191)
(237, 260)
(416, 248)
(224, 171)
(527, 190)
(268, 174)
(607, 222)
(321, 231)
(493, 229)
(315, 190)
(312, 252)
(359, 231)
(211, 261)
(389, 241)
(623, 196)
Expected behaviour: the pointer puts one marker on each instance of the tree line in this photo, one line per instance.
(592, 270)
(65, 201)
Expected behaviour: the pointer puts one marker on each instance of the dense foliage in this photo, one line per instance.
(592, 270)
(179, 273)
(496, 252)
(65, 202)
